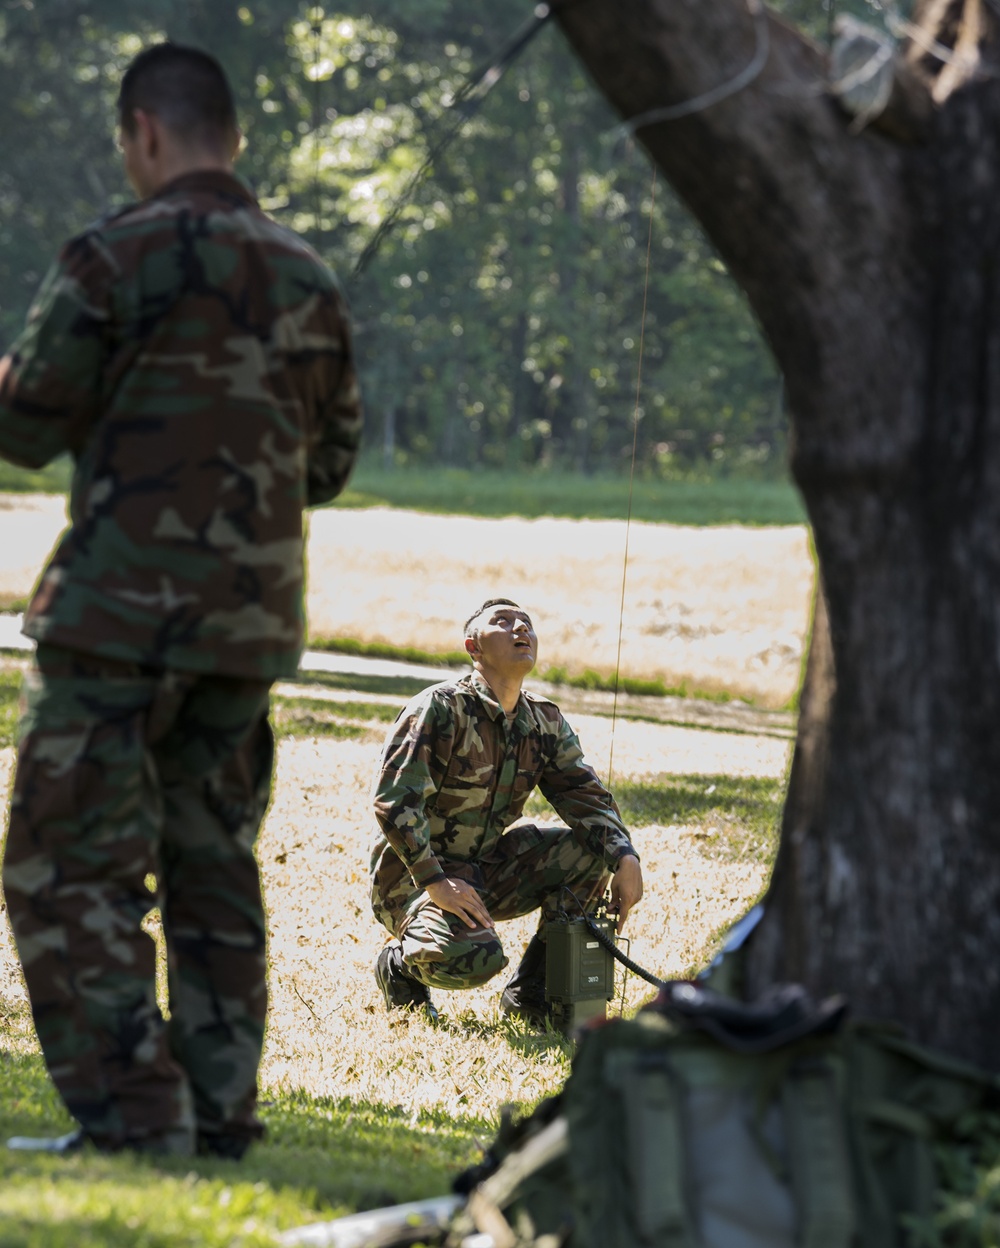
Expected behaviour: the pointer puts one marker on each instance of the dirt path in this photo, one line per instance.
(716, 608)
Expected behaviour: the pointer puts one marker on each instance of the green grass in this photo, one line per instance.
(383, 650)
(316, 717)
(54, 479)
(738, 817)
(458, 659)
(456, 491)
(487, 492)
(10, 692)
(321, 1159)
(450, 491)
(402, 687)
(589, 679)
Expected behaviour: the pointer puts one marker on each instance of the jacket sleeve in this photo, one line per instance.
(51, 379)
(337, 412)
(414, 763)
(581, 800)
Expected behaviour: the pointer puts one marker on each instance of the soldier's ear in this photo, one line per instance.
(471, 646)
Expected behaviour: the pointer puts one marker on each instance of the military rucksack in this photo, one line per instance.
(707, 1123)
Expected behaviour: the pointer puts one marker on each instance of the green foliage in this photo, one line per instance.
(969, 1209)
(500, 323)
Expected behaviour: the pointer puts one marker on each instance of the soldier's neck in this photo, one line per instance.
(506, 688)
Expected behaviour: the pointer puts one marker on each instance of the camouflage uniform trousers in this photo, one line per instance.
(126, 775)
(535, 868)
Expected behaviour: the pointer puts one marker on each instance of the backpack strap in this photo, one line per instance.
(820, 1164)
(654, 1141)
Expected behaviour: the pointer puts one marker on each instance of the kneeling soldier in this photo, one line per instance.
(456, 771)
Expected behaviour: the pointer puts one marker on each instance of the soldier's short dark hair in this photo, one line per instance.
(490, 602)
(185, 87)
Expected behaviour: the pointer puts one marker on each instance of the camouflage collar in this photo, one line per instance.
(209, 180)
(522, 715)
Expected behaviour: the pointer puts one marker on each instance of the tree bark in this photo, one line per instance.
(873, 269)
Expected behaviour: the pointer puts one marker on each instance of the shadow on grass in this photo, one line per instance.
(733, 816)
(321, 1158)
(402, 687)
(519, 1034)
(312, 717)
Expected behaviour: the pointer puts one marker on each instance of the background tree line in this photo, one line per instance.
(499, 323)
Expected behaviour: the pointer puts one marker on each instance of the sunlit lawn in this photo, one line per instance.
(321, 1159)
(362, 1108)
(718, 500)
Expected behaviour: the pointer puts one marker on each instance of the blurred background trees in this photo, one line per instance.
(499, 323)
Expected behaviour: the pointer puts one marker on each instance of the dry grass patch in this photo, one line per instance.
(328, 1032)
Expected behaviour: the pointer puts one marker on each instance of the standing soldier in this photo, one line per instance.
(195, 360)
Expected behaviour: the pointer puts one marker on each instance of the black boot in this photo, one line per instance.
(524, 996)
(401, 991)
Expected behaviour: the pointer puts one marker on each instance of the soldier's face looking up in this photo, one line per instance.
(505, 640)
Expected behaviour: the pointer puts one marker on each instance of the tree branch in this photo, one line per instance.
(806, 214)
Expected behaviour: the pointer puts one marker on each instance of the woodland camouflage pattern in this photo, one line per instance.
(455, 774)
(91, 824)
(532, 868)
(195, 360)
(198, 434)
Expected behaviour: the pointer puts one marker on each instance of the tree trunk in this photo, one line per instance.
(873, 268)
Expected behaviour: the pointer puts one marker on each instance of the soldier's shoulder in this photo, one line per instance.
(109, 223)
(540, 700)
(446, 695)
(545, 711)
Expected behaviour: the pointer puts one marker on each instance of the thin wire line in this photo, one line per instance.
(317, 32)
(631, 475)
(462, 107)
(671, 112)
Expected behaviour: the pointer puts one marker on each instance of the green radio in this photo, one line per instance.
(579, 969)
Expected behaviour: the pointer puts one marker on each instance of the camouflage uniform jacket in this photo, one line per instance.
(455, 773)
(195, 360)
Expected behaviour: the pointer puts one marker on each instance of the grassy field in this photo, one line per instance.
(723, 500)
(364, 1108)
(454, 491)
(322, 1158)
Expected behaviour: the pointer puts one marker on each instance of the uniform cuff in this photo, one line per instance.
(426, 871)
(618, 852)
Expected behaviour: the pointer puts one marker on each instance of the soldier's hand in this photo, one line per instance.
(460, 898)
(626, 887)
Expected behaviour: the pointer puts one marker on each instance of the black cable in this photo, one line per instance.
(610, 945)
(464, 105)
(618, 956)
